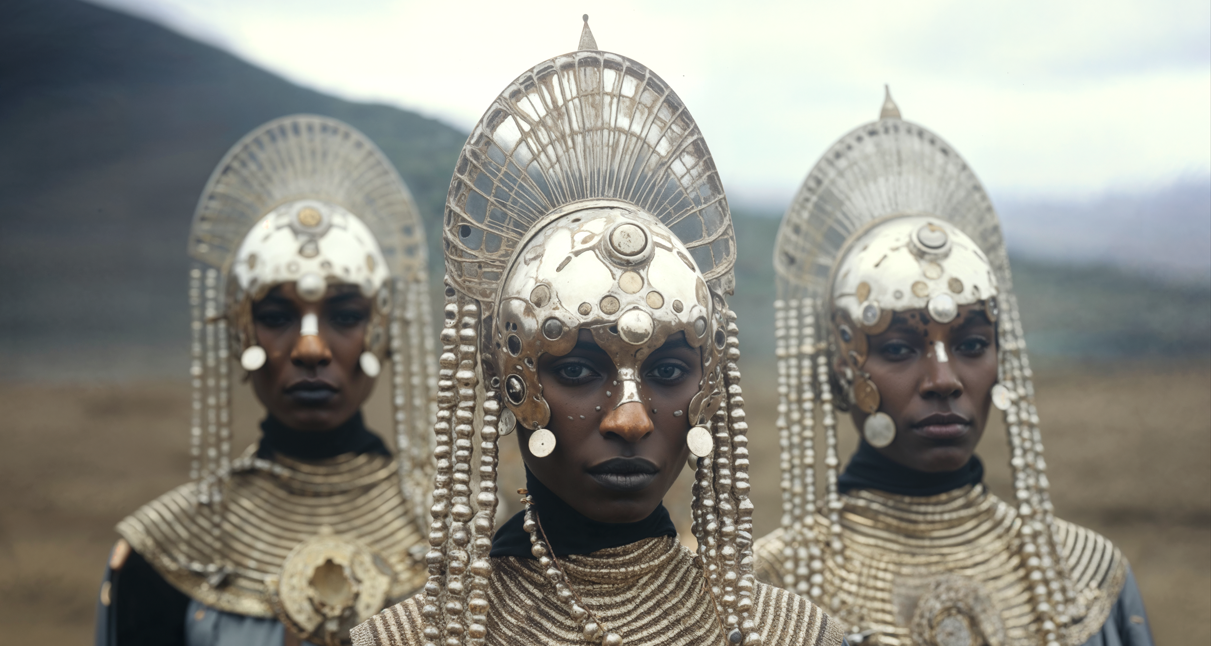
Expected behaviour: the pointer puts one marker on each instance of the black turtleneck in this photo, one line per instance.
(570, 532)
(350, 437)
(869, 469)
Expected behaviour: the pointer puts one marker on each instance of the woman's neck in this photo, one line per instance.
(571, 532)
(352, 436)
(869, 469)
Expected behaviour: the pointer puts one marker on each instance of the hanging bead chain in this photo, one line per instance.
(810, 574)
(794, 412)
(746, 584)
(196, 374)
(224, 396)
(1039, 555)
(447, 398)
(482, 527)
(399, 400)
(591, 627)
(458, 579)
(786, 450)
(832, 524)
(726, 510)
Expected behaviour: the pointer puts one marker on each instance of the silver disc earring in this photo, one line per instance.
(1001, 398)
(370, 364)
(879, 430)
(253, 358)
(542, 442)
(700, 441)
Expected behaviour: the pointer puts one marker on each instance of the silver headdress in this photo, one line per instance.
(309, 200)
(585, 198)
(892, 219)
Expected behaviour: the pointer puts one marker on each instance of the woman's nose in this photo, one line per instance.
(629, 421)
(310, 350)
(940, 381)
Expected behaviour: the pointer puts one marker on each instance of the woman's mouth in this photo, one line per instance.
(624, 474)
(942, 426)
(311, 392)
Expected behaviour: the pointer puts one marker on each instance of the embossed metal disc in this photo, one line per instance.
(1001, 397)
(307, 157)
(585, 125)
(879, 430)
(942, 308)
(542, 443)
(887, 167)
(700, 441)
(253, 358)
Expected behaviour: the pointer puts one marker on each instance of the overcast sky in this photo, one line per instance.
(1052, 98)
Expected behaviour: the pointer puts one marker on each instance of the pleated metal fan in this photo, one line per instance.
(317, 158)
(588, 124)
(883, 168)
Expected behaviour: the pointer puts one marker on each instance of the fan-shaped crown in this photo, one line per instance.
(306, 157)
(585, 125)
(887, 167)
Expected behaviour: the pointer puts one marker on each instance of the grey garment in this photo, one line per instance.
(1127, 624)
(205, 626)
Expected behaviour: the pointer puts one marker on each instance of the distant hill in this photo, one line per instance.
(111, 125)
(1164, 232)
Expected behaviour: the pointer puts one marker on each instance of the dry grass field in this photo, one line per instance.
(1129, 453)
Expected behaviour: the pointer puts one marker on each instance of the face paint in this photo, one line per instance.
(939, 349)
(310, 325)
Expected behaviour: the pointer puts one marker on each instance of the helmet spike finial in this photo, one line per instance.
(587, 42)
(889, 111)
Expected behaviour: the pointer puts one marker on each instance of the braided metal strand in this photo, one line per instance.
(810, 566)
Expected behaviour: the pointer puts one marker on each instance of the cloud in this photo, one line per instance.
(1041, 97)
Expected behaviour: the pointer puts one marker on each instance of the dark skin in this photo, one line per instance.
(312, 383)
(939, 407)
(583, 470)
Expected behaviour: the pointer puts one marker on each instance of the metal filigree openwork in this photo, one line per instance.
(589, 124)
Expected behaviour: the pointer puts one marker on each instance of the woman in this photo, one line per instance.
(897, 305)
(309, 265)
(588, 248)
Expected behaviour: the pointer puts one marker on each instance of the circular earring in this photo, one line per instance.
(542, 442)
(253, 358)
(508, 422)
(1001, 397)
(700, 441)
(879, 430)
(370, 364)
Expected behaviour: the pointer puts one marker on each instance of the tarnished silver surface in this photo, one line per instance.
(892, 219)
(584, 125)
(585, 199)
(308, 200)
(607, 267)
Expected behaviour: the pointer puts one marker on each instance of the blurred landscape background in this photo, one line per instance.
(111, 126)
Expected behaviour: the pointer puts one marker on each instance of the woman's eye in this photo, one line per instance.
(972, 347)
(896, 350)
(575, 373)
(348, 318)
(666, 373)
(273, 319)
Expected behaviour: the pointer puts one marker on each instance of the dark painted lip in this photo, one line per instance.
(942, 426)
(311, 392)
(625, 466)
(627, 475)
(624, 482)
